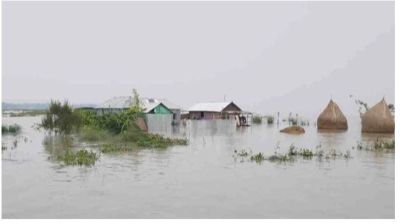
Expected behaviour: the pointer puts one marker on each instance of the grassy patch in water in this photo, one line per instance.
(113, 148)
(378, 145)
(81, 158)
(10, 129)
(258, 158)
(280, 158)
(148, 140)
(158, 141)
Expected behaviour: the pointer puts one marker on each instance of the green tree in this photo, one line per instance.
(60, 118)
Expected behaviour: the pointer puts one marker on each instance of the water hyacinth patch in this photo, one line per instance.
(82, 158)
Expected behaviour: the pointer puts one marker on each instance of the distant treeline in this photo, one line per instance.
(35, 106)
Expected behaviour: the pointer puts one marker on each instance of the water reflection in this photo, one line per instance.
(202, 179)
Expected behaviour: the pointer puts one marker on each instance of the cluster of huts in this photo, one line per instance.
(162, 111)
(377, 119)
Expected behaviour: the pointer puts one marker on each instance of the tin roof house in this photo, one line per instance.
(216, 110)
(117, 104)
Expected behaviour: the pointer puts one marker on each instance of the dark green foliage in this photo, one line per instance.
(270, 119)
(10, 129)
(81, 157)
(257, 119)
(60, 118)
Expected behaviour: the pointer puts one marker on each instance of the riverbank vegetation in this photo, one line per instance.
(110, 132)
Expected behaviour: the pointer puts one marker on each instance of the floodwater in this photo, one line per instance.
(203, 179)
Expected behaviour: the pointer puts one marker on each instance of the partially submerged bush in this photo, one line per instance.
(270, 119)
(60, 118)
(257, 119)
(10, 129)
(81, 157)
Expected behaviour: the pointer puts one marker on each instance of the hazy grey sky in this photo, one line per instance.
(252, 52)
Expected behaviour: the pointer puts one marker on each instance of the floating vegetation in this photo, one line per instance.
(281, 158)
(293, 154)
(10, 129)
(27, 113)
(257, 119)
(158, 141)
(258, 158)
(377, 145)
(112, 148)
(242, 153)
(81, 158)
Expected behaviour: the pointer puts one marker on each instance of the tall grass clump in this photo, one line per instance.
(258, 158)
(10, 129)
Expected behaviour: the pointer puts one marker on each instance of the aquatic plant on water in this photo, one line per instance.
(258, 158)
(82, 157)
(377, 145)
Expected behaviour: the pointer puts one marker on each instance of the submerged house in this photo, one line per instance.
(223, 110)
(156, 114)
(118, 104)
(175, 109)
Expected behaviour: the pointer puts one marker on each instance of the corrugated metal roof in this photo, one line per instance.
(119, 102)
(210, 107)
(123, 102)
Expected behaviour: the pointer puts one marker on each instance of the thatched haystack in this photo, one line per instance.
(332, 118)
(295, 129)
(378, 119)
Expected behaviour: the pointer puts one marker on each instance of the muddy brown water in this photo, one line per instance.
(203, 179)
